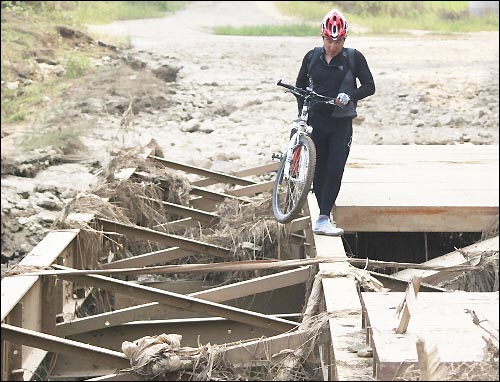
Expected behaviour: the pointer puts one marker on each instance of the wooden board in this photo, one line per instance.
(450, 259)
(419, 188)
(439, 317)
(342, 301)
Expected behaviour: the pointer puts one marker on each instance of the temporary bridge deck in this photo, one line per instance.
(385, 189)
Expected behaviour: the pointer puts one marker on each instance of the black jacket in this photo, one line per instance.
(327, 79)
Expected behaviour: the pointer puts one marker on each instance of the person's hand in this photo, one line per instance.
(342, 99)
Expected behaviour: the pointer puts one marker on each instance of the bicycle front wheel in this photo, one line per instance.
(290, 193)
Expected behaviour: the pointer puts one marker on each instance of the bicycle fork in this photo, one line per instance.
(293, 142)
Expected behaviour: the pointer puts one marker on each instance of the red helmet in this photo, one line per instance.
(334, 25)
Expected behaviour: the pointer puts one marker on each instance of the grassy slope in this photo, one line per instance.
(386, 17)
(30, 39)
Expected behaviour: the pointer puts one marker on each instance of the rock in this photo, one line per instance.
(48, 201)
(366, 352)
(23, 204)
(12, 85)
(68, 194)
(356, 347)
(166, 73)
(191, 126)
(207, 127)
(445, 120)
(48, 216)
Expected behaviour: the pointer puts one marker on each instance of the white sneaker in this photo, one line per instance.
(324, 227)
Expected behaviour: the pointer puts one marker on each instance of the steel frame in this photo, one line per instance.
(35, 309)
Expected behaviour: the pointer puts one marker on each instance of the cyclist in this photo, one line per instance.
(333, 74)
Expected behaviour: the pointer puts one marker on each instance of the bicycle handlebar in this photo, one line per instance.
(303, 93)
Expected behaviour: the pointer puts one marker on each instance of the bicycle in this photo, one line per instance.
(296, 171)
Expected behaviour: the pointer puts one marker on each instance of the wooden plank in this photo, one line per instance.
(180, 301)
(450, 259)
(396, 284)
(217, 294)
(410, 304)
(419, 188)
(60, 345)
(42, 255)
(343, 303)
(381, 217)
(392, 350)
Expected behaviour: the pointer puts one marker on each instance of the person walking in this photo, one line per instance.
(331, 70)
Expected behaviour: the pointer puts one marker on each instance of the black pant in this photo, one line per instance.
(332, 138)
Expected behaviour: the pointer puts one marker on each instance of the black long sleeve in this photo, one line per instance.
(363, 73)
(303, 78)
(329, 85)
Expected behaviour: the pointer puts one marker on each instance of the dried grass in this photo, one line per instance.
(249, 231)
(483, 280)
(491, 231)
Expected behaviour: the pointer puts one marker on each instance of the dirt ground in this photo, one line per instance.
(212, 101)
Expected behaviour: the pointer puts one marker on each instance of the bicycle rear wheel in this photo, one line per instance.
(290, 194)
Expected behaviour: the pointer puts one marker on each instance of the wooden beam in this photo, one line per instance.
(342, 301)
(459, 340)
(434, 277)
(409, 304)
(358, 218)
(396, 284)
(155, 309)
(42, 255)
(63, 346)
(182, 302)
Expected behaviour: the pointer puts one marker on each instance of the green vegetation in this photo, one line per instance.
(377, 17)
(30, 39)
(269, 30)
(77, 64)
(79, 13)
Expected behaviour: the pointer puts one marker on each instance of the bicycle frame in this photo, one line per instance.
(295, 175)
(300, 127)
